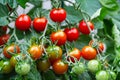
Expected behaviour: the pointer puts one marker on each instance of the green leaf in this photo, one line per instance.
(12, 3)
(73, 15)
(3, 2)
(98, 23)
(89, 6)
(4, 21)
(22, 2)
(37, 3)
(3, 10)
(109, 4)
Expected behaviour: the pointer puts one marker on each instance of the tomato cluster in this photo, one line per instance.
(56, 54)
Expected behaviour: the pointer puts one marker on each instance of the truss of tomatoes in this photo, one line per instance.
(15, 59)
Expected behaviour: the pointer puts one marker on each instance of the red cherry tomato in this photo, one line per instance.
(59, 67)
(58, 37)
(84, 28)
(23, 22)
(12, 49)
(58, 15)
(88, 52)
(74, 54)
(39, 24)
(72, 34)
(4, 38)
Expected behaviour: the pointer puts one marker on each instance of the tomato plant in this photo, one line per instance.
(88, 52)
(58, 37)
(72, 34)
(39, 24)
(23, 22)
(58, 15)
(8, 51)
(59, 67)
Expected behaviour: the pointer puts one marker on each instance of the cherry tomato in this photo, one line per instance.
(59, 67)
(88, 52)
(74, 54)
(58, 15)
(102, 75)
(54, 53)
(58, 37)
(5, 66)
(14, 59)
(94, 66)
(43, 65)
(84, 28)
(8, 51)
(22, 68)
(72, 34)
(39, 24)
(23, 22)
(4, 38)
(101, 46)
(78, 68)
(35, 51)
(3, 30)
(112, 75)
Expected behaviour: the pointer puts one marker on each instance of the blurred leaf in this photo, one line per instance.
(37, 3)
(4, 21)
(22, 2)
(98, 23)
(73, 15)
(3, 10)
(12, 3)
(89, 6)
(109, 4)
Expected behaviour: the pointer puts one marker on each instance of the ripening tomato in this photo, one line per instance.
(43, 65)
(5, 67)
(23, 22)
(88, 52)
(8, 51)
(72, 34)
(54, 53)
(39, 24)
(75, 54)
(84, 28)
(58, 15)
(35, 51)
(59, 67)
(100, 47)
(58, 37)
(4, 38)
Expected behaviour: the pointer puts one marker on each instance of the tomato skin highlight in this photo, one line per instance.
(84, 28)
(35, 51)
(58, 37)
(23, 22)
(15, 49)
(4, 38)
(59, 67)
(75, 53)
(88, 52)
(58, 15)
(39, 24)
(72, 34)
